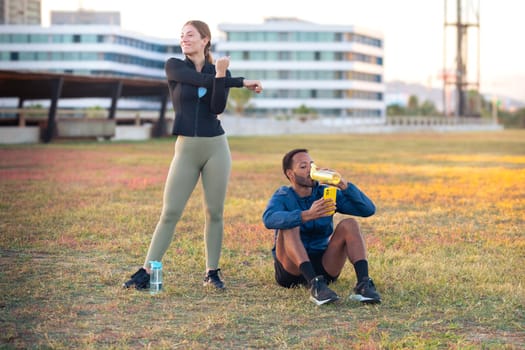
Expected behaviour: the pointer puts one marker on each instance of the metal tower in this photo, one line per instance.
(461, 68)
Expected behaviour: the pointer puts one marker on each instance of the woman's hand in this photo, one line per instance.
(221, 65)
(254, 85)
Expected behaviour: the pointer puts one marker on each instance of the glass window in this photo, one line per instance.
(234, 36)
(71, 56)
(43, 56)
(19, 38)
(89, 56)
(236, 55)
(284, 36)
(326, 37)
(257, 56)
(304, 56)
(284, 75)
(284, 56)
(255, 36)
(27, 56)
(62, 38)
(272, 55)
(88, 38)
(272, 36)
(327, 56)
(38, 38)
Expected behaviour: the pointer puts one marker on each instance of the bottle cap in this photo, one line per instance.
(156, 265)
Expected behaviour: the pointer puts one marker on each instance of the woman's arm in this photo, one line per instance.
(177, 70)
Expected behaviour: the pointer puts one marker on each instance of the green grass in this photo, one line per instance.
(446, 247)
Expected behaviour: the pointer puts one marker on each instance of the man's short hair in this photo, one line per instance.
(287, 159)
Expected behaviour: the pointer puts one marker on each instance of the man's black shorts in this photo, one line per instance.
(287, 280)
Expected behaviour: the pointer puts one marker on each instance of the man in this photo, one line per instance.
(307, 250)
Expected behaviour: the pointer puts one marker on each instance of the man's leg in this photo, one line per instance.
(345, 243)
(292, 255)
(290, 251)
(348, 243)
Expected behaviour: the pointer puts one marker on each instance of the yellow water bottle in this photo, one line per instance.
(324, 176)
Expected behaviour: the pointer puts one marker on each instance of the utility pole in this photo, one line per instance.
(464, 18)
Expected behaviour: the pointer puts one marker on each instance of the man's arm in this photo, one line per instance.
(278, 216)
(355, 202)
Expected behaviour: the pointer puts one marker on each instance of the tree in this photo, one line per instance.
(304, 113)
(428, 108)
(395, 110)
(413, 105)
(239, 100)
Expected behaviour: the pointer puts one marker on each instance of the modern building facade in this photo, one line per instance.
(86, 50)
(20, 12)
(334, 70)
(83, 17)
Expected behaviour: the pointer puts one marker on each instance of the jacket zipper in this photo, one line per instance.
(197, 118)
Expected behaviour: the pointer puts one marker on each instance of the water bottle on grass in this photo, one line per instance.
(155, 277)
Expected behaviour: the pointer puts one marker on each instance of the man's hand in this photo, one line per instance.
(320, 208)
(342, 185)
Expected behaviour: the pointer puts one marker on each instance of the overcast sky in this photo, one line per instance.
(412, 29)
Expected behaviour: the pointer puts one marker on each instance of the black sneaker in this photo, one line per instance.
(365, 292)
(320, 293)
(139, 279)
(213, 279)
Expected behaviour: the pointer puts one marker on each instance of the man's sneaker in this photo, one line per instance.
(365, 292)
(320, 293)
(213, 279)
(139, 279)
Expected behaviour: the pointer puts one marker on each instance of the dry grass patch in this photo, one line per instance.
(446, 247)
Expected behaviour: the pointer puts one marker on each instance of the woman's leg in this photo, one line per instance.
(181, 180)
(215, 176)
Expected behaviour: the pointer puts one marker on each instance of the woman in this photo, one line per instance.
(199, 91)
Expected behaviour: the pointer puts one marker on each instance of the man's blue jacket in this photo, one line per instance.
(285, 206)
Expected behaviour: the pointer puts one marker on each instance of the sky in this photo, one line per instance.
(413, 30)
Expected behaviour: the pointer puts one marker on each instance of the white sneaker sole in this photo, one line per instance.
(322, 302)
(363, 299)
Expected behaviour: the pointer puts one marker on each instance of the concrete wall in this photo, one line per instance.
(237, 126)
(86, 127)
(133, 132)
(16, 134)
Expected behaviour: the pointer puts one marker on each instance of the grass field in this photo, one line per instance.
(446, 247)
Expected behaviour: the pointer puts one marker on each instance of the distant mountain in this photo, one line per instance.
(398, 92)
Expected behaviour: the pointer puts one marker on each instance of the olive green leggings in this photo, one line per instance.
(210, 159)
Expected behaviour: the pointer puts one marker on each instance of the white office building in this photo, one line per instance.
(20, 12)
(333, 71)
(84, 49)
(99, 50)
(337, 71)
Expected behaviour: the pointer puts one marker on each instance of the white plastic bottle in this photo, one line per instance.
(155, 277)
